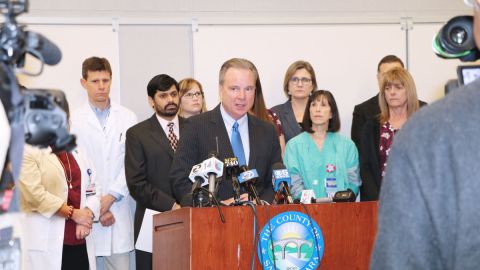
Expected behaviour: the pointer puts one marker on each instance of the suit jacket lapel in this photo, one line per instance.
(54, 161)
(219, 129)
(376, 142)
(158, 135)
(253, 147)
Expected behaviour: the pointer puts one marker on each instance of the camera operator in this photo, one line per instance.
(428, 216)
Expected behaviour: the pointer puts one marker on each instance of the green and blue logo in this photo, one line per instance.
(297, 243)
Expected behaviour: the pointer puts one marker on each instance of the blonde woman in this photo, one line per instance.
(192, 101)
(398, 101)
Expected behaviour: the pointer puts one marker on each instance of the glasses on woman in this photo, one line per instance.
(192, 95)
(297, 80)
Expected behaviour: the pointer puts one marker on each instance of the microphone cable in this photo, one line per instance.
(216, 203)
(255, 230)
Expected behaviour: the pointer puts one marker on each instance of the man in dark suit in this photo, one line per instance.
(213, 131)
(150, 147)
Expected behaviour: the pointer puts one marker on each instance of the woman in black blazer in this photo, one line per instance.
(398, 101)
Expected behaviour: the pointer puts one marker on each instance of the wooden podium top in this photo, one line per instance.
(196, 238)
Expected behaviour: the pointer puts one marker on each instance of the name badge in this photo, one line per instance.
(330, 186)
(91, 190)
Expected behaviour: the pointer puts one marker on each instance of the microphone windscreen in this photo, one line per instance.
(38, 44)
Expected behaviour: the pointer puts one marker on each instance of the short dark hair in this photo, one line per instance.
(333, 123)
(390, 59)
(95, 63)
(161, 83)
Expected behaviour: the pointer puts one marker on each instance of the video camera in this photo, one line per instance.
(40, 112)
(456, 40)
(37, 117)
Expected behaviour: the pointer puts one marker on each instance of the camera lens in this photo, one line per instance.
(458, 35)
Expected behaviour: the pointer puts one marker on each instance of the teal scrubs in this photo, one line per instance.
(334, 168)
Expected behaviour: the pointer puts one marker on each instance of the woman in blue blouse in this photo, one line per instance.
(319, 158)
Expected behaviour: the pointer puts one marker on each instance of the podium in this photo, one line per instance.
(196, 238)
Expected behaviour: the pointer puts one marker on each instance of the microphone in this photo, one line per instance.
(212, 168)
(281, 182)
(340, 196)
(344, 196)
(231, 170)
(42, 48)
(247, 178)
(197, 177)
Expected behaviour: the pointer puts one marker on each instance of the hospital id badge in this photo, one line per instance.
(91, 190)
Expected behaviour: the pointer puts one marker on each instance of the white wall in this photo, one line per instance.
(76, 42)
(148, 50)
(343, 52)
(256, 11)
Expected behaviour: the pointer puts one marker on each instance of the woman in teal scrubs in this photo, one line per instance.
(319, 158)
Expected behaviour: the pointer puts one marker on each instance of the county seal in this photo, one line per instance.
(290, 241)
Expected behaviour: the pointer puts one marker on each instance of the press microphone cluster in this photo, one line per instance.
(204, 174)
(281, 183)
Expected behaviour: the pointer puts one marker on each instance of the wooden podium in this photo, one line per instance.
(196, 238)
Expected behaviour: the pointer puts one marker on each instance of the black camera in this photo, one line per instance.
(41, 112)
(456, 40)
(45, 120)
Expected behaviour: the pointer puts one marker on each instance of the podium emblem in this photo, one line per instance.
(291, 240)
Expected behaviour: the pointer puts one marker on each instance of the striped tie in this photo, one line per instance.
(172, 137)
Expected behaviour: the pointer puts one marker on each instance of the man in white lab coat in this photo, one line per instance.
(100, 126)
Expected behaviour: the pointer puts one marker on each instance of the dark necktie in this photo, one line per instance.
(172, 137)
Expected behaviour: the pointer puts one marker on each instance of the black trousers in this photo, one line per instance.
(143, 260)
(75, 257)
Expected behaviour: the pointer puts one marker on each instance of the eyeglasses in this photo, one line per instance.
(304, 80)
(173, 94)
(192, 95)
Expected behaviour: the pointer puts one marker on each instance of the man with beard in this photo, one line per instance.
(100, 125)
(150, 146)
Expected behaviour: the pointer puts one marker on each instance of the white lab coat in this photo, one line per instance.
(43, 189)
(106, 149)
